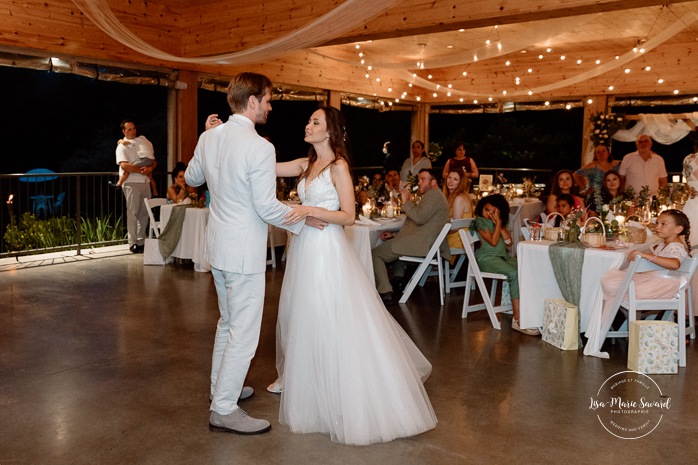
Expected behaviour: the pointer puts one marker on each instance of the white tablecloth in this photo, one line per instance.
(365, 237)
(520, 209)
(191, 242)
(537, 281)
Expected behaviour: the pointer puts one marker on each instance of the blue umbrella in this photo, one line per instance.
(38, 178)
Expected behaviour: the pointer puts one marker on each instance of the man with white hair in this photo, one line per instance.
(643, 167)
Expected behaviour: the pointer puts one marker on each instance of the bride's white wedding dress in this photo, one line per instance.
(349, 369)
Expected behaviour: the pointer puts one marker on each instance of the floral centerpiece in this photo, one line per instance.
(676, 192)
(620, 205)
(570, 225)
(529, 187)
(435, 151)
(603, 126)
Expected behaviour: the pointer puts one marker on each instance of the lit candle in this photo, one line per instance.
(683, 179)
(389, 211)
(621, 220)
(519, 191)
(675, 178)
(367, 210)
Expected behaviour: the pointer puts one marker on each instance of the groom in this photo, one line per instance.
(239, 169)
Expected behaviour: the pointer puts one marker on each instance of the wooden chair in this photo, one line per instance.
(476, 279)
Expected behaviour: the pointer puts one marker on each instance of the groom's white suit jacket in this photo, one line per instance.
(239, 168)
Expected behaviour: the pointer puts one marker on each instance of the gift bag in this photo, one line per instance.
(561, 324)
(151, 253)
(653, 347)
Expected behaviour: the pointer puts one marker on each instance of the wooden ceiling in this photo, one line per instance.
(527, 40)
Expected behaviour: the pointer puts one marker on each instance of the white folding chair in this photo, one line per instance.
(450, 274)
(433, 257)
(154, 229)
(525, 233)
(680, 303)
(272, 247)
(476, 277)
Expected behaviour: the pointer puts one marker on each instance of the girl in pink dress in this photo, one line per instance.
(671, 226)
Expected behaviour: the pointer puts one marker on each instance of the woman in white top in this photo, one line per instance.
(416, 162)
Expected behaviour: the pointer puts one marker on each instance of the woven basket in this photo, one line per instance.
(552, 233)
(594, 239)
(636, 235)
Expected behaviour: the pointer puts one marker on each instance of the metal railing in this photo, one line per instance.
(58, 211)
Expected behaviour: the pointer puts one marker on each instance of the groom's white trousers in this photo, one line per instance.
(241, 303)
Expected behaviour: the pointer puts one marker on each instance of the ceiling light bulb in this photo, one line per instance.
(610, 87)
(358, 46)
(642, 50)
(461, 30)
(540, 57)
(450, 86)
(487, 42)
(438, 86)
(366, 75)
(499, 45)
(530, 92)
(627, 70)
(475, 102)
(419, 98)
(461, 100)
(548, 49)
(547, 104)
(562, 57)
(363, 61)
(504, 92)
(378, 79)
(361, 54)
(448, 94)
(434, 94)
(449, 46)
(409, 85)
(676, 91)
(617, 57)
(647, 68)
(489, 98)
(590, 101)
(635, 49)
(465, 73)
(507, 62)
(370, 67)
(390, 89)
(568, 106)
(397, 100)
(598, 62)
(579, 62)
(414, 75)
(429, 77)
(530, 70)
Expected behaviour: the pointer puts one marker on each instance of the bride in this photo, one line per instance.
(345, 366)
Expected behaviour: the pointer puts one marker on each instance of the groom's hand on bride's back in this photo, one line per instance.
(315, 222)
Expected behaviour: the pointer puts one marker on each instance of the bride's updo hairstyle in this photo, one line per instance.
(681, 219)
(337, 129)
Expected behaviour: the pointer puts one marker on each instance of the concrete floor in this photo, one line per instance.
(107, 362)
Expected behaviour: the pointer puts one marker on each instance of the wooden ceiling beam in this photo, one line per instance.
(416, 17)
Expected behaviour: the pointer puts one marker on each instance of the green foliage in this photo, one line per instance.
(32, 233)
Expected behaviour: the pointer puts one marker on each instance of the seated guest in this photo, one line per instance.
(565, 206)
(461, 163)
(563, 183)
(459, 203)
(491, 218)
(643, 167)
(423, 224)
(392, 182)
(179, 190)
(612, 187)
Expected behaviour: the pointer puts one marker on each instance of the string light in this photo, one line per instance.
(562, 57)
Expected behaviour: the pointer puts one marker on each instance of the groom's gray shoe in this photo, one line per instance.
(237, 422)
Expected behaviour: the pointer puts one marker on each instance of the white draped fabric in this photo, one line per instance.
(665, 129)
(349, 15)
